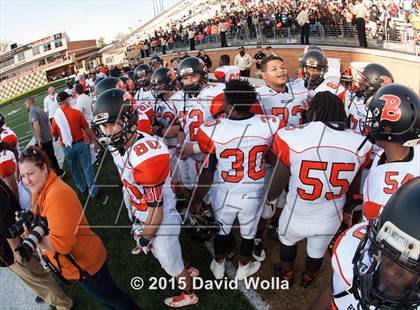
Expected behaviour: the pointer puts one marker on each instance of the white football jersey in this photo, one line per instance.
(194, 111)
(7, 135)
(385, 178)
(287, 106)
(355, 109)
(342, 265)
(240, 147)
(165, 115)
(323, 163)
(143, 169)
(330, 83)
(227, 73)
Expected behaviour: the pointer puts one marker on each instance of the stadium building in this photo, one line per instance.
(31, 65)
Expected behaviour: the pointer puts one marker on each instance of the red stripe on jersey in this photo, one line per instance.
(144, 125)
(7, 168)
(256, 108)
(367, 160)
(216, 105)
(342, 96)
(339, 266)
(153, 171)
(204, 142)
(281, 149)
(371, 209)
(10, 139)
(219, 74)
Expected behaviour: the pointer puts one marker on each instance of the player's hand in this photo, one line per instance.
(305, 105)
(145, 245)
(195, 208)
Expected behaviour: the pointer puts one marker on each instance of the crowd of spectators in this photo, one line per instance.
(393, 20)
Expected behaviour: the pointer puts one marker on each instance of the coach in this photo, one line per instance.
(70, 125)
(41, 130)
(50, 103)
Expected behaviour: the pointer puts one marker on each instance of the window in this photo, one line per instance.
(42, 62)
(7, 63)
(47, 47)
(35, 50)
(58, 43)
(21, 56)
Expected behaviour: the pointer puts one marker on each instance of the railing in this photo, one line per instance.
(402, 38)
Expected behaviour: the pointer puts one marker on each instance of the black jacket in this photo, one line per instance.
(8, 206)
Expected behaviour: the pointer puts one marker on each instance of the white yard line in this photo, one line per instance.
(252, 296)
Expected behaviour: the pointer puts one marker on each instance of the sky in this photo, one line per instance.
(24, 21)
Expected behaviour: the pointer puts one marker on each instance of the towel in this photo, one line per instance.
(64, 126)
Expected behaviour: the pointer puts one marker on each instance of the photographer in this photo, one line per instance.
(61, 231)
(29, 271)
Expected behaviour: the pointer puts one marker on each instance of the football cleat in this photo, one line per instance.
(218, 269)
(181, 300)
(247, 270)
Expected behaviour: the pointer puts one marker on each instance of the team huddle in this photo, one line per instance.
(337, 167)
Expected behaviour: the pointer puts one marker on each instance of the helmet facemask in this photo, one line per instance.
(313, 79)
(386, 248)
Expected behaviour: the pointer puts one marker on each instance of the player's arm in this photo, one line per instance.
(170, 132)
(154, 211)
(205, 182)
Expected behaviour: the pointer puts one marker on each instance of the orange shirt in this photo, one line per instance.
(77, 122)
(69, 230)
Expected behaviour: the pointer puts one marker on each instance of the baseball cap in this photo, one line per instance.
(269, 46)
(241, 48)
(62, 96)
(259, 46)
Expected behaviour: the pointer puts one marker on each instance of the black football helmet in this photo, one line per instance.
(190, 66)
(105, 84)
(314, 59)
(393, 114)
(163, 80)
(142, 75)
(386, 264)
(113, 106)
(373, 77)
(202, 227)
(156, 62)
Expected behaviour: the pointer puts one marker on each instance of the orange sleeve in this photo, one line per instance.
(342, 96)
(367, 159)
(281, 149)
(216, 105)
(153, 171)
(7, 168)
(204, 142)
(10, 139)
(371, 209)
(219, 75)
(144, 125)
(256, 108)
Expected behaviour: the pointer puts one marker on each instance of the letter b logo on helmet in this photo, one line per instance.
(391, 111)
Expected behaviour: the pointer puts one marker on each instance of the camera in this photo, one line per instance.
(25, 220)
(37, 227)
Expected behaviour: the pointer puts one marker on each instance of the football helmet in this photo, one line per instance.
(156, 62)
(386, 264)
(142, 75)
(393, 114)
(314, 59)
(129, 84)
(113, 106)
(105, 84)
(190, 66)
(202, 227)
(162, 80)
(371, 79)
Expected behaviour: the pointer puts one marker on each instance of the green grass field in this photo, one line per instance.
(109, 220)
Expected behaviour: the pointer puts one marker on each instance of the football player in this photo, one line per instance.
(156, 62)
(8, 135)
(319, 161)
(196, 103)
(285, 100)
(392, 123)
(144, 166)
(376, 264)
(365, 84)
(226, 72)
(317, 76)
(163, 87)
(236, 148)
